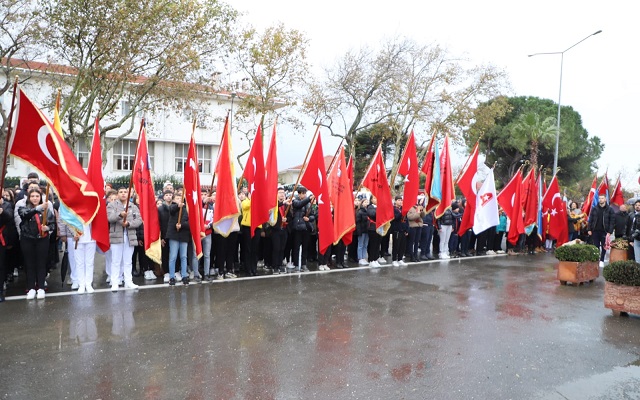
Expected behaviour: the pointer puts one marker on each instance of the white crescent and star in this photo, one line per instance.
(42, 142)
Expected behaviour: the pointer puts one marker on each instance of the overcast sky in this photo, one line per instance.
(600, 76)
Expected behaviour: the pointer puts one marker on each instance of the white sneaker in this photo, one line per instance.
(40, 294)
(108, 279)
(374, 264)
(89, 288)
(381, 260)
(81, 289)
(363, 262)
(191, 275)
(149, 275)
(114, 288)
(31, 295)
(178, 276)
(500, 252)
(402, 263)
(75, 286)
(444, 256)
(130, 285)
(15, 272)
(601, 264)
(491, 253)
(166, 278)
(395, 264)
(322, 268)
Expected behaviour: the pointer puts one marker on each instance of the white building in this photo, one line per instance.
(168, 129)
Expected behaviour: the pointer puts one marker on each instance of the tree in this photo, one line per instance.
(405, 85)
(366, 143)
(531, 131)
(275, 63)
(577, 153)
(19, 32)
(142, 53)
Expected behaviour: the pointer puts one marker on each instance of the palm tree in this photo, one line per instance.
(529, 131)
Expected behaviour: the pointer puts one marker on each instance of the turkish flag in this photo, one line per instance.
(271, 180)
(428, 169)
(315, 179)
(558, 222)
(226, 210)
(446, 180)
(510, 201)
(586, 207)
(36, 142)
(467, 183)
(344, 220)
(100, 224)
(409, 168)
(254, 173)
(193, 197)
(375, 179)
(617, 197)
(530, 199)
(143, 183)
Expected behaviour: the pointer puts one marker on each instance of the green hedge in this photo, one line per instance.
(622, 273)
(158, 181)
(578, 253)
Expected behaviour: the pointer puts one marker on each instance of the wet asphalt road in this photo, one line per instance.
(476, 328)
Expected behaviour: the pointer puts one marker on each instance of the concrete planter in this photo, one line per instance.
(622, 298)
(618, 255)
(577, 273)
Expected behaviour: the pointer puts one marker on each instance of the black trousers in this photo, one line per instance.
(35, 253)
(165, 257)
(278, 243)
(374, 246)
(339, 250)
(384, 243)
(250, 247)
(325, 258)
(399, 245)
(353, 247)
(300, 239)
(598, 239)
(225, 256)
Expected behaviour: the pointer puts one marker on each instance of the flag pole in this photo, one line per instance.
(371, 165)
(126, 207)
(213, 178)
(193, 132)
(333, 160)
(395, 174)
(304, 166)
(6, 145)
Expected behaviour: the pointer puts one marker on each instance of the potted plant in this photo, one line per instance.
(622, 287)
(578, 263)
(619, 250)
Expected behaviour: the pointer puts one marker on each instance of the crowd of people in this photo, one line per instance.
(32, 234)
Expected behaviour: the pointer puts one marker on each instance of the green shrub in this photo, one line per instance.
(578, 253)
(622, 273)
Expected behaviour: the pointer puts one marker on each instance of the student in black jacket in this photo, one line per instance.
(601, 224)
(179, 235)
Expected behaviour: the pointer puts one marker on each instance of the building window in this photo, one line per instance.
(125, 107)
(204, 157)
(124, 153)
(82, 152)
(181, 151)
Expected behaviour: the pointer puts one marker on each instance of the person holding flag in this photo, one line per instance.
(179, 235)
(124, 218)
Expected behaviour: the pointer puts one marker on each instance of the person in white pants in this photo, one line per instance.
(123, 222)
(84, 255)
(66, 234)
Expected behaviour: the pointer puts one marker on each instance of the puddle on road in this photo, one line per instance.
(619, 383)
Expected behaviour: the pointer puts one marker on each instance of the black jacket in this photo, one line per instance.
(399, 222)
(622, 225)
(29, 222)
(8, 228)
(184, 234)
(298, 212)
(371, 214)
(362, 221)
(447, 218)
(163, 219)
(602, 215)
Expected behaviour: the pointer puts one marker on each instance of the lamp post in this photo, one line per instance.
(555, 154)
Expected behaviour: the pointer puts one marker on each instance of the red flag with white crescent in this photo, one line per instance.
(193, 197)
(100, 224)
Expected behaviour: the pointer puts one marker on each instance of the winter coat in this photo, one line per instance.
(399, 223)
(371, 214)
(8, 231)
(622, 225)
(362, 221)
(447, 218)
(298, 212)
(602, 215)
(116, 230)
(29, 222)
(415, 217)
(184, 234)
(163, 219)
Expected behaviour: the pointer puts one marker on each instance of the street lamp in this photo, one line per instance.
(555, 154)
